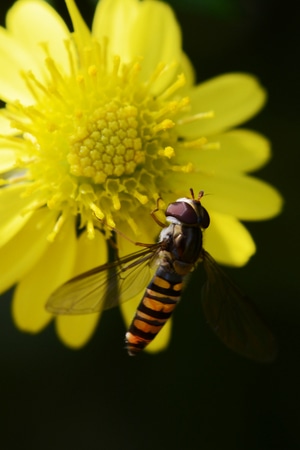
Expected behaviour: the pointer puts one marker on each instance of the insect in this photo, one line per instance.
(179, 249)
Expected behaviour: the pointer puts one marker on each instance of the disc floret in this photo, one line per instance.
(96, 137)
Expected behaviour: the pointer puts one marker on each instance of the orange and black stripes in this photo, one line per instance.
(161, 296)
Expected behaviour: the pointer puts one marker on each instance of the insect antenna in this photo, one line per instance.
(192, 193)
(200, 195)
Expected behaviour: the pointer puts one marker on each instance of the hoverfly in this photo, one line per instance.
(228, 311)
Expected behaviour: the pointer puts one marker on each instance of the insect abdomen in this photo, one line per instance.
(160, 298)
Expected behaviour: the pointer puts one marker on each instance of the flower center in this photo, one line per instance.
(97, 141)
(110, 144)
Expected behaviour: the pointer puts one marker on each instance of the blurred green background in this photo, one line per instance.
(197, 394)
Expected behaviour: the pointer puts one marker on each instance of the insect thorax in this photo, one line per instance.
(183, 246)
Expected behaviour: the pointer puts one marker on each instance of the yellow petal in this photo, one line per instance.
(14, 59)
(142, 229)
(90, 252)
(140, 29)
(10, 152)
(83, 34)
(227, 240)
(12, 205)
(114, 19)
(51, 270)
(7, 160)
(34, 22)
(188, 69)
(22, 252)
(243, 150)
(75, 331)
(244, 197)
(159, 40)
(5, 127)
(234, 98)
(238, 150)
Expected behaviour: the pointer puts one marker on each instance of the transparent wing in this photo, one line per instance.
(233, 317)
(105, 286)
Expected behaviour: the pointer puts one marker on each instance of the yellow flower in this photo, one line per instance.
(97, 125)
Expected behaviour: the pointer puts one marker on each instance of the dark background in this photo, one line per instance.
(197, 394)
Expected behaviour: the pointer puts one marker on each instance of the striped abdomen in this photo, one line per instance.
(160, 298)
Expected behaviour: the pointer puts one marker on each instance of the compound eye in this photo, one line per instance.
(204, 219)
(184, 212)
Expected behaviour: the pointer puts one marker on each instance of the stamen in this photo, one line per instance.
(188, 168)
(133, 226)
(171, 108)
(90, 229)
(196, 143)
(12, 179)
(109, 221)
(168, 152)
(116, 66)
(160, 68)
(67, 43)
(97, 211)
(163, 126)
(195, 117)
(179, 83)
(143, 199)
(104, 48)
(32, 83)
(212, 146)
(116, 202)
(33, 207)
(54, 71)
(57, 227)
